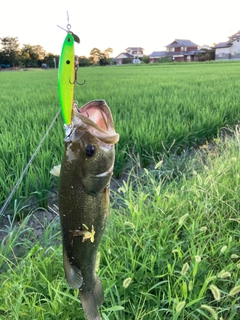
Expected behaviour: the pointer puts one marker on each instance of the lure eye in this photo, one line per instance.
(69, 39)
(90, 150)
(68, 62)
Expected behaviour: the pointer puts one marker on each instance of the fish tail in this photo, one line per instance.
(92, 300)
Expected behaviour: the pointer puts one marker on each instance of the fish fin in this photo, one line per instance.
(73, 274)
(56, 170)
(98, 292)
(91, 301)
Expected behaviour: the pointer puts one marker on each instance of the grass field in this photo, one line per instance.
(171, 248)
(156, 108)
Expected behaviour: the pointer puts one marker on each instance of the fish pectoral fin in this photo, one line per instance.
(94, 184)
(73, 274)
(56, 170)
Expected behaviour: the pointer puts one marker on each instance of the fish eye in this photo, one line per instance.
(68, 62)
(90, 150)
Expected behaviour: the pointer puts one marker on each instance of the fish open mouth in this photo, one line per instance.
(96, 117)
(96, 114)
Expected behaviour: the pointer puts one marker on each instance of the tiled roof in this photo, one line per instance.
(160, 54)
(235, 36)
(135, 48)
(127, 55)
(181, 43)
(226, 44)
(157, 54)
(192, 52)
(205, 46)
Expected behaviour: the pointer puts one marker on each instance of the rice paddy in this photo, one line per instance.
(171, 248)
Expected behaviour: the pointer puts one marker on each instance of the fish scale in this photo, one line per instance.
(84, 198)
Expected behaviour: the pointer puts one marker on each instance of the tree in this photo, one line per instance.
(91, 60)
(208, 55)
(83, 61)
(146, 59)
(103, 57)
(32, 56)
(49, 60)
(212, 54)
(104, 61)
(107, 52)
(127, 60)
(95, 55)
(38, 52)
(26, 56)
(10, 51)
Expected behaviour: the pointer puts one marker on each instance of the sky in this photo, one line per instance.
(119, 24)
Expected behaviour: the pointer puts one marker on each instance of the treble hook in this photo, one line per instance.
(81, 84)
(75, 74)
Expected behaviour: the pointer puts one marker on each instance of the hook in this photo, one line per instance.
(75, 74)
(81, 84)
(76, 80)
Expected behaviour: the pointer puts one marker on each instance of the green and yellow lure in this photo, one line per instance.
(66, 75)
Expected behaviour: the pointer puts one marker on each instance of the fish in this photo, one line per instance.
(84, 198)
(66, 75)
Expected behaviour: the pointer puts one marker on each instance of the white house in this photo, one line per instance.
(130, 54)
(205, 47)
(229, 50)
(137, 52)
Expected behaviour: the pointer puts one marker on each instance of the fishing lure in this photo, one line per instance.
(67, 75)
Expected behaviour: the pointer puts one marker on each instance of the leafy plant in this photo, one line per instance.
(170, 251)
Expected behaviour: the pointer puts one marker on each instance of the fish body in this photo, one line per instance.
(84, 204)
(66, 74)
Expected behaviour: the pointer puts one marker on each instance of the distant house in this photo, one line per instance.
(205, 47)
(178, 50)
(137, 52)
(229, 50)
(130, 54)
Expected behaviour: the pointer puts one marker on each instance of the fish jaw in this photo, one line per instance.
(97, 118)
(66, 78)
(92, 127)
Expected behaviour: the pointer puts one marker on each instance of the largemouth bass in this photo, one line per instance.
(84, 203)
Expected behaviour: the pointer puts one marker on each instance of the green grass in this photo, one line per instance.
(171, 248)
(170, 251)
(156, 109)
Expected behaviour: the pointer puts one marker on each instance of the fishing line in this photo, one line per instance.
(28, 165)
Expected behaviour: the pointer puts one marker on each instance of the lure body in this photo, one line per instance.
(66, 74)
